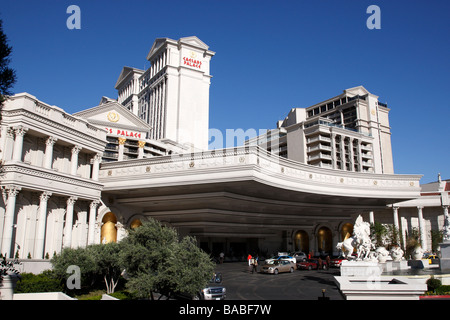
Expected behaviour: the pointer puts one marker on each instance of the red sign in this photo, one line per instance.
(192, 62)
(124, 133)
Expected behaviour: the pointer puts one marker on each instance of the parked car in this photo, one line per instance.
(277, 258)
(311, 264)
(299, 256)
(278, 266)
(336, 262)
(433, 259)
(214, 291)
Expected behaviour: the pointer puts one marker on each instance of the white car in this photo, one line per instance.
(288, 258)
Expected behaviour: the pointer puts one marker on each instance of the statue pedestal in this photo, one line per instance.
(351, 268)
(363, 288)
(7, 286)
(400, 265)
(390, 266)
(444, 261)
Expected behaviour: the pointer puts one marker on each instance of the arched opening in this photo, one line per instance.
(346, 231)
(301, 241)
(109, 230)
(135, 223)
(324, 240)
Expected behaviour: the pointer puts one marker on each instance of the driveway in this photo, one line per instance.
(241, 284)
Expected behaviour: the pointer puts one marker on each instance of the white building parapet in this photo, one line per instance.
(25, 109)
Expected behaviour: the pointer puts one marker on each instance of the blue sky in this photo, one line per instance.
(270, 56)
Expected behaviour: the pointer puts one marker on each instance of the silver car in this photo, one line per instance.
(299, 256)
(278, 266)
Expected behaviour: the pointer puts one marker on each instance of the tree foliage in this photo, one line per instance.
(152, 258)
(378, 232)
(107, 263)
(7, 74)
(7, 267)
(80, 257)
(157, 261)
(412, 241)
(191, 268)
(385, 235)
(97, 263)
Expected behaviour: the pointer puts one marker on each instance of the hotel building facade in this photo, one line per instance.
(348, 132)
(70, 180)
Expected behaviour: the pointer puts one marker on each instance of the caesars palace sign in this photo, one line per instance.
(124, 133)
(192, 61)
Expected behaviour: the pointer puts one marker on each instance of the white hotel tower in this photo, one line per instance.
(172, 95)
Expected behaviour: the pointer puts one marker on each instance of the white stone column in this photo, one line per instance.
(121, 148)
(141, 149)
(74, 160)
(395, 217)
(67, 241)
(8, 147)
(92, 219)
(18, 143)
(371, 218)
(42, 222)
(96, 166)
(49, 152)
(8, 226)
(423, 235)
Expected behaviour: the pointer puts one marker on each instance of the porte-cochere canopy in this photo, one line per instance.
(246, 192)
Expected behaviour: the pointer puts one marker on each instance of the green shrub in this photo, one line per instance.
(94, 295)
(122, 295)
(433, 284)
(43, 282)
(443, 290)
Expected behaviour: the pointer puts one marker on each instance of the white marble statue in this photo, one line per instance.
(360, 240)
(346, 247)
(396, 253)
(446, 231)
(382, 254)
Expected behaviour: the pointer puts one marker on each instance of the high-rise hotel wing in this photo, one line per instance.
(349, 132)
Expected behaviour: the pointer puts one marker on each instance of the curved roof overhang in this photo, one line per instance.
(246, 186)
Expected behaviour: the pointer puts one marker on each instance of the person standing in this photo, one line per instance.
(255, 265)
